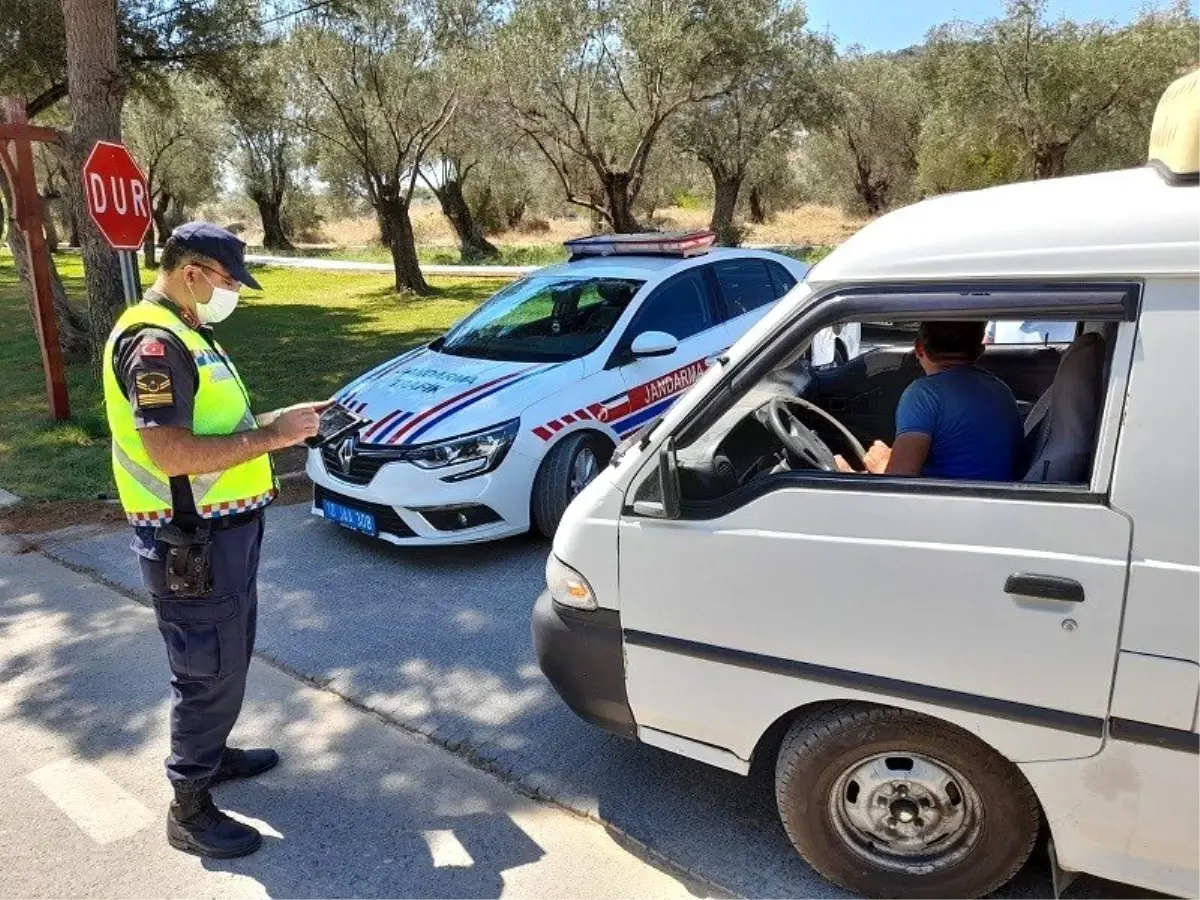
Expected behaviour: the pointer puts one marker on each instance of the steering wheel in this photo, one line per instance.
(802, 440)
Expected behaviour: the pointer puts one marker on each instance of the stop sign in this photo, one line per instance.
(118, 199)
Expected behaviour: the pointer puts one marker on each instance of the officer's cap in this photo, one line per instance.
(217, 244)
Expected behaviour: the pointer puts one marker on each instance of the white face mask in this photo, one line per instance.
(219, 307)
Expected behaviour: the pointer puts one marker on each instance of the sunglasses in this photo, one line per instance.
(227, 280)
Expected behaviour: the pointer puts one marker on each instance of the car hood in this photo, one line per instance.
(424, 396)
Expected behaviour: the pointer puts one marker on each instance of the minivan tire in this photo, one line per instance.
(552, 488)
(831, 763)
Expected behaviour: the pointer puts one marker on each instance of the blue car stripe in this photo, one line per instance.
(424, 427)
(633, 422)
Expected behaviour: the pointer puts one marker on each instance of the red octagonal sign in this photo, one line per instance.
(117, 196)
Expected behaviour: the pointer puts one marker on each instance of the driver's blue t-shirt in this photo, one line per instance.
(972, 420)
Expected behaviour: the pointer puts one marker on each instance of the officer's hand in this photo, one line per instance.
(296, 423)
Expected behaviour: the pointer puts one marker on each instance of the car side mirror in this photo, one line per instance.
(653, 343)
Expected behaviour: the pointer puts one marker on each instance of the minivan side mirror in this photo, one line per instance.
(653, 343)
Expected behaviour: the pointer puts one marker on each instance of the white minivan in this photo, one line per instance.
(938, 671)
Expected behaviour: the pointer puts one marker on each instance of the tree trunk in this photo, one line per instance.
(270, 211)
(395, 224)
(97, 93)
(72, 224)
(159, 213)
(1049, 160)
(72, 329)
(726, 186)
(49, 226)
(514, 214)
(758, 209)
(620, 204)
(149, 256)
(472, 244)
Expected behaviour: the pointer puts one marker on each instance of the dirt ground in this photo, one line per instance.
(806, 225)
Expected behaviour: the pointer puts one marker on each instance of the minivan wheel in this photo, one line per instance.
(567, 469)
(890, 803)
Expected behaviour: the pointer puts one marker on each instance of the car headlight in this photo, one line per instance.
(486, 449)
(568, 587)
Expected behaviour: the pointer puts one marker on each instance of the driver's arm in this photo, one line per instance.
(916, 417)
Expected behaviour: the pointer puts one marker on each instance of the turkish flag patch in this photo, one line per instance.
(153, 348)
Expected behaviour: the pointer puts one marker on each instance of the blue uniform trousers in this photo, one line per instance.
(209, 641)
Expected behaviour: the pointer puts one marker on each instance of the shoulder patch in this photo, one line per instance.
(153, 389)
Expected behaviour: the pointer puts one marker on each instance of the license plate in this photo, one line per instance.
(354, 519)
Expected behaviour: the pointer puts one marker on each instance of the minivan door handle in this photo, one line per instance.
(1048, 587)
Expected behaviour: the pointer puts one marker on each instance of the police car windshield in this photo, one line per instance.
(543, 318)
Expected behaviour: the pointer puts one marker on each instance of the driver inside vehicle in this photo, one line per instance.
(958, 422)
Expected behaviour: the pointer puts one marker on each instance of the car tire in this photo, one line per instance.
(558, 478)
(863, 791)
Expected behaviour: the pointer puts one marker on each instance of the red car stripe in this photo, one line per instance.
(555, 425)
(544, 433)
(416, 420)
(568, 419)
(380, 423)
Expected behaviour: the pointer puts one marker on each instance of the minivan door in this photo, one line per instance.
(997, 612)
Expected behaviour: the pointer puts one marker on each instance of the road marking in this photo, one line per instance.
(102, 809)
(447, 851)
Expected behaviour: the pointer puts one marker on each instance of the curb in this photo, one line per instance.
(8, 498)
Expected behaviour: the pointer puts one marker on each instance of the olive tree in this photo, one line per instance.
(1055, 89)
(178, 137)
(376, 99)
(266, 131)
(867, 152)
(777, 92)
(594, 83)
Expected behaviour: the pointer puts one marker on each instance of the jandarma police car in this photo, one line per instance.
(498, 424)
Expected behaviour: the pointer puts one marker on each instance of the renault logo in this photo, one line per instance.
(345, 454)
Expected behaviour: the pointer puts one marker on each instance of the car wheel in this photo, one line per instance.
(568, 468)
(890, 803)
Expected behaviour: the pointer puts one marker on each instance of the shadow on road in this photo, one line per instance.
(438, 640)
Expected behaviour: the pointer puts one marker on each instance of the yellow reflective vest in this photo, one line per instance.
(222, 406)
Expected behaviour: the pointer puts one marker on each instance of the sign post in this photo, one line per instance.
(118, 200)
(16, 158)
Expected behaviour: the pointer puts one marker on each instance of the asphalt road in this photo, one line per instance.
(438, 640)
(356, 808)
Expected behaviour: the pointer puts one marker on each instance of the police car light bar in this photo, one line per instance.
(692, 243)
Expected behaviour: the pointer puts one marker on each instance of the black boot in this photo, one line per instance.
(195, 825)
(244, 764)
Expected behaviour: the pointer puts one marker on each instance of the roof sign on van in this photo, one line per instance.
(691, 243)
(1175, 134)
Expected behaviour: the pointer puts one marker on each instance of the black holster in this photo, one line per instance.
(189, 558)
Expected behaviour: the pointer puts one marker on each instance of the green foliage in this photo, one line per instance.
(178, 137)
(866, 158)
(1068, 96)
(307, 334)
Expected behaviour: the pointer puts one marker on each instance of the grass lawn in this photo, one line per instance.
(304, 336)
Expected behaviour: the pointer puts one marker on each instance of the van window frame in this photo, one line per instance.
(1101, 300)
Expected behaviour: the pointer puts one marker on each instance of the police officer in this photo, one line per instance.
(193, 472)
